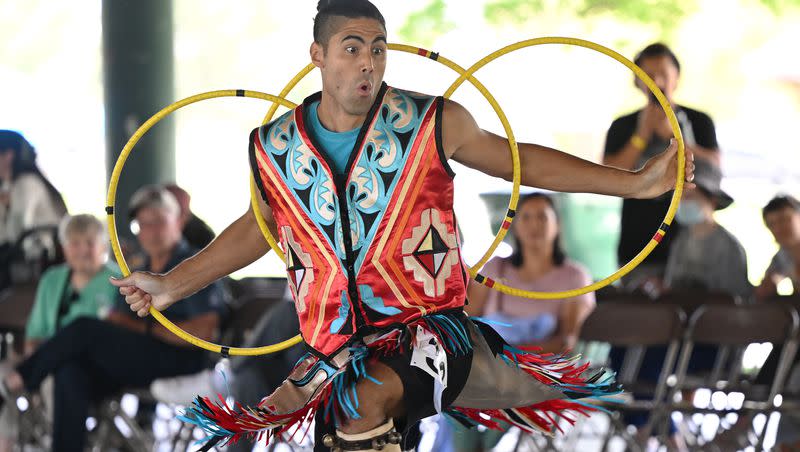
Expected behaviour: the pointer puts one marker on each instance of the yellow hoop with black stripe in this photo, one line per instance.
(112, 227)
(464, 75)
(676, 196)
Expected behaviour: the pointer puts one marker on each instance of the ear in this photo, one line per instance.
(317, 55)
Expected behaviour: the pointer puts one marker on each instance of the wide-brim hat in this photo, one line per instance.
(708, 177)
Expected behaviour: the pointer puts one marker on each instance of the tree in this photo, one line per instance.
(423, 26)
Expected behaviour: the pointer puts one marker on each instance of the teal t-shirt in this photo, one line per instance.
(53, 291)
(337, 145)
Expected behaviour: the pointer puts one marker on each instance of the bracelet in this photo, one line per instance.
(638, 142)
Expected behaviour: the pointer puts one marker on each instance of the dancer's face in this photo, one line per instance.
(353, 63)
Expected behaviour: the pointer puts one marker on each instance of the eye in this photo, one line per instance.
(351, 49)
(378, 51)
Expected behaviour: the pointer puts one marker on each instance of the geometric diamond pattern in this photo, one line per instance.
(296, 269)
(431, 252)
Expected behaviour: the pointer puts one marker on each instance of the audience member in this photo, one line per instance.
(79, 288)
(537, 263)
(782, 217)
(91, 359)
(706, 257)
(634, 138)
(195, 230)
(27, 199)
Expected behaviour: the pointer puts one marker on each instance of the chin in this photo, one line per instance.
(361, 107)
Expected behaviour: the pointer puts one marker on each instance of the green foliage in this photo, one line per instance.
(662, 13)
(780, 6)
(498, 12)
(423, 26)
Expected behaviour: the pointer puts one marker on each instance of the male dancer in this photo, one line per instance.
(356, 184)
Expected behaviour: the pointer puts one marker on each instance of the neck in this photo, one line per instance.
(334, 118)
(536, 261)
(5, 175)
(79, 280)
(158, 262)
(704, 227)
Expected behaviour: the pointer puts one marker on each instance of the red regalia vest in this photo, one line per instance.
(377, 245)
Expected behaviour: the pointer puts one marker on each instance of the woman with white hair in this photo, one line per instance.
(78, 288)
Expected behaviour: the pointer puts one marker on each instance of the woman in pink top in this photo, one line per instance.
(538, 263)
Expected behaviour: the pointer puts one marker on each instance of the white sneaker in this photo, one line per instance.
(184, 389)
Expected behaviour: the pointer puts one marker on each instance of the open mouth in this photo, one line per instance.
(364, 88)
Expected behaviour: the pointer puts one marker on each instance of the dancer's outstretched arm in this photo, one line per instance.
(551, 169)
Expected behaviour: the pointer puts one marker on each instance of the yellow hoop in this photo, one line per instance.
(464, 75)
(673, 207)
(112, 227)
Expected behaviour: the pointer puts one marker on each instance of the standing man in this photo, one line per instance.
(635, 138)
(356, 184)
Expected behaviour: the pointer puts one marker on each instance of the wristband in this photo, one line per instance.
(638, 142)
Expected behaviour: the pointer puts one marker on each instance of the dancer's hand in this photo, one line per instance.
(658, 174)
(142, 290)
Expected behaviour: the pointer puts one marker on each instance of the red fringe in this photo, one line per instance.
(542, 417)
(255, 423)
(550, 369)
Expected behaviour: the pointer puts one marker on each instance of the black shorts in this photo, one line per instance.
(417, 394)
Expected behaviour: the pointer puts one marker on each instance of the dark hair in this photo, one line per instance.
(327, 10)
(657, 50)
(781, 202)
(24, 162)
(559, 256)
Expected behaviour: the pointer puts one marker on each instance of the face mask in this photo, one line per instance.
(690, 213)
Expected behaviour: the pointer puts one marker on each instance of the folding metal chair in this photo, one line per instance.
(736, 327)
(636, 326)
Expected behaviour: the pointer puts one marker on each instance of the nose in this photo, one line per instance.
(367, 65)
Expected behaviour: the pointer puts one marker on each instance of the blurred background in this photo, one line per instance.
(78, 78)
(739, 64)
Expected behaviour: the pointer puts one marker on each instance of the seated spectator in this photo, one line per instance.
(92, 359)
(195, 230)
(27, 198)
(79, 288)
(782, 217)
(706, 257)
(538, 263)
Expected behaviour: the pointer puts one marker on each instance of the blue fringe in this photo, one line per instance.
(344, 384)
(452, 332)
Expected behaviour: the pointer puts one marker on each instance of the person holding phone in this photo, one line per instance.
(636, 137)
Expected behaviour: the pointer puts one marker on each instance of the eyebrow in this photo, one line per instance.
(357, 38)
(361, 40)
